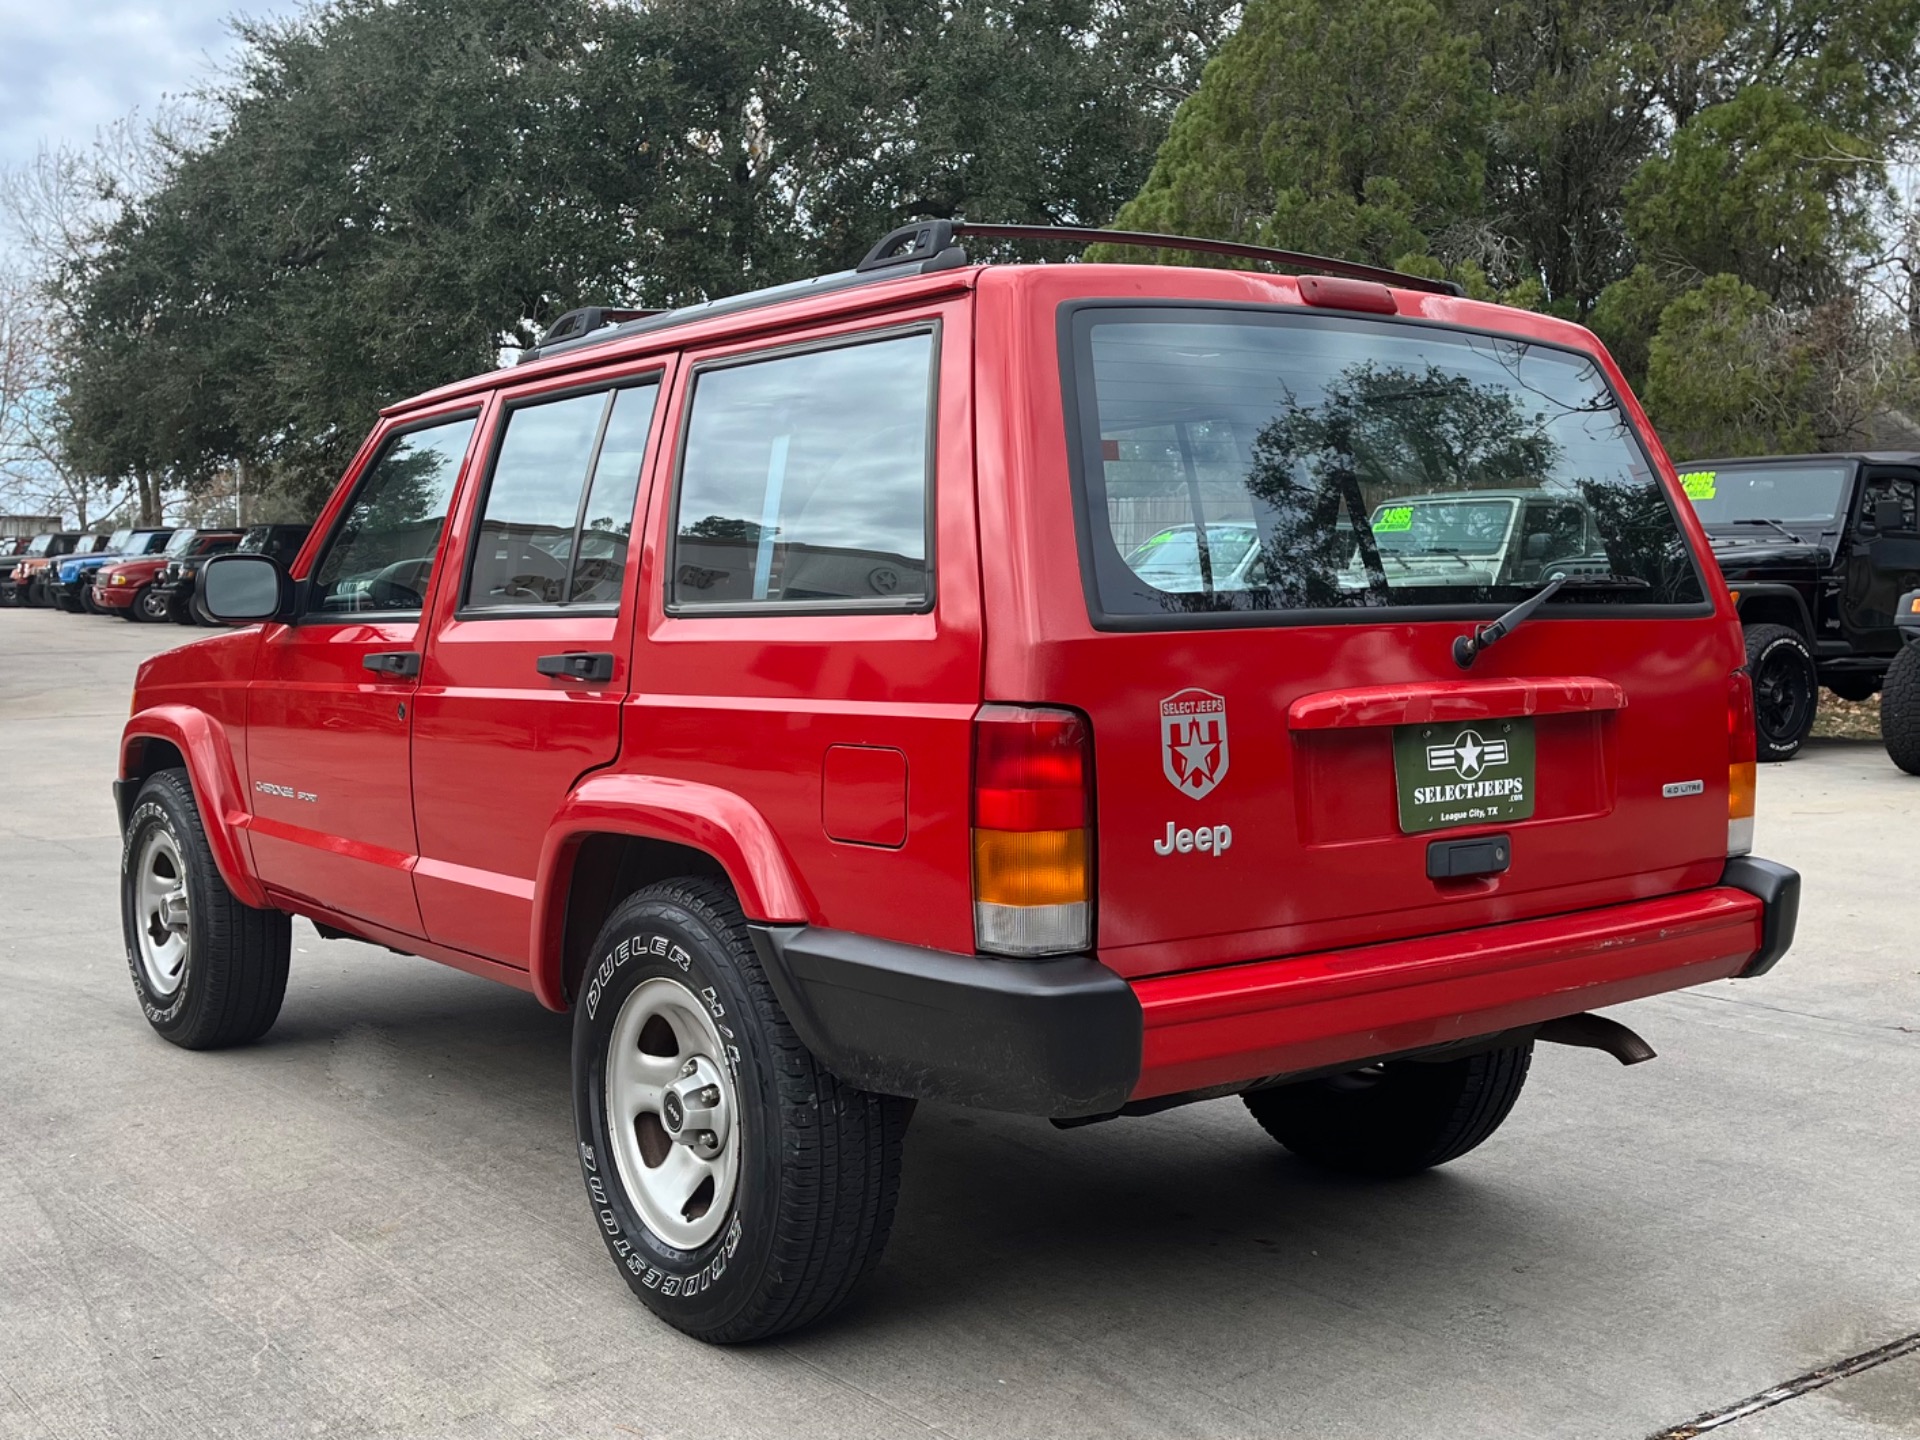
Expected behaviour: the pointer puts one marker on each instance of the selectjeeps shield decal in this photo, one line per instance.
(1193, 741)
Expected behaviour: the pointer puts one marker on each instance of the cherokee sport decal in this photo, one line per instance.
(285, 792)
(1193, 741)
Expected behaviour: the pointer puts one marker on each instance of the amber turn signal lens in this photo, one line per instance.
(1740, 790)
(1030, 867)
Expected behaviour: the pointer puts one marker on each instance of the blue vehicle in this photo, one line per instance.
(68, 582)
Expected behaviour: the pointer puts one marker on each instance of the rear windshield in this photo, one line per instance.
(1802, 494)
(1258, 461)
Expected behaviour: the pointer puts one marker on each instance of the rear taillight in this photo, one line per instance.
(1032, 831)
(1740, 763)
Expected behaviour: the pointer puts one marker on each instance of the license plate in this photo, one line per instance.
(1477, 773)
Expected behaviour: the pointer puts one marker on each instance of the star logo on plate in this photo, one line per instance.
(1467, 754)
(1193, 741)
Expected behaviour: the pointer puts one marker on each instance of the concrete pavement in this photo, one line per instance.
(371, 1224)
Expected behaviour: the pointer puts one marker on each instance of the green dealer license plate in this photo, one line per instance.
(1479, 773)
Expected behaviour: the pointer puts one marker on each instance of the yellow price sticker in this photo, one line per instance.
(1395, 518)
(1699, 484)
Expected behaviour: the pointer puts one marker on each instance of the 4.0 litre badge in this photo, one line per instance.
(1477, 773)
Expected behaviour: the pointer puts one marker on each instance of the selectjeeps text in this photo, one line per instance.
(1074, 690)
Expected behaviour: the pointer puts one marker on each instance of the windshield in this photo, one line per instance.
(181, 544)
(1348, 448)
(121, 539)
(41, 544)
(1792, 494)
(1444, 527)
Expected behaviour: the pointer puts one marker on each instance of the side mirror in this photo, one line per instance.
(244, 589)
(1537, 545)
(1887, 515)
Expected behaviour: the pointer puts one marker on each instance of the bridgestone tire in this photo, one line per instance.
(818, 1172)
(1786, 690)
(1397, 1118)
(1900, 709)
(235, 971)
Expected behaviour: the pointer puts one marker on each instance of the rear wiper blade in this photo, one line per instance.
(1774, 523)
(1465, 647)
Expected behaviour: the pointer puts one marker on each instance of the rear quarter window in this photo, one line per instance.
(804, 481)
(1255, 463)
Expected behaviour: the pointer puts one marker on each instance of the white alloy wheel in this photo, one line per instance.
(163, 920)
(673, 1113)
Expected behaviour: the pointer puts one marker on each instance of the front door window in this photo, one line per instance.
(380, 559)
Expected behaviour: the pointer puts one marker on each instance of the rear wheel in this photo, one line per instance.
(1786, 692)
(209, 970)
(1398, 1117)
(741, 1188)
(1900, 709)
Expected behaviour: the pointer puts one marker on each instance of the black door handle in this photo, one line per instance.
(577, 665)
(392, 662)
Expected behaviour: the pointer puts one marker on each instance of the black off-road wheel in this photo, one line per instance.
(1900, 709)
(741, 1188)
(209, 971)
(1395, 1118)
(1786, 691)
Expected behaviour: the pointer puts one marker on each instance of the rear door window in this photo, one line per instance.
(1253, 461)
(558, 513)
(804, 478)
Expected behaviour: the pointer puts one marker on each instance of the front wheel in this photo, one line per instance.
(209, 970)
(1398, 1117)
(149, 606)
(1786, 690)
(741, 1188)
(1900, 709)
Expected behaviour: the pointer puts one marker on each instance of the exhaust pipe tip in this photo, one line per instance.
(1596, 1032)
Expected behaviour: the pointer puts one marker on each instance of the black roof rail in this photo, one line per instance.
(586, 320)
(930, 245)
(1292, 259)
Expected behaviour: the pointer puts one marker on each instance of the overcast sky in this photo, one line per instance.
(68, 67)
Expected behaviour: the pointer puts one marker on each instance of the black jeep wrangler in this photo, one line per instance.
(1817, 550)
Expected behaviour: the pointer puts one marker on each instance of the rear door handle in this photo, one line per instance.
(577, 665)
(392, 662)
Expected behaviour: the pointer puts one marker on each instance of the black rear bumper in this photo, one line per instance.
(1059, 1037)
(1778, 888)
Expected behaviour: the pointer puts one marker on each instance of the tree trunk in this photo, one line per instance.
(149, 498)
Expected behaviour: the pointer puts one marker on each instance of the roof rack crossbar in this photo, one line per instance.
(1292, 259)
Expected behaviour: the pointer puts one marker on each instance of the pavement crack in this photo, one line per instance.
(1792, 1389)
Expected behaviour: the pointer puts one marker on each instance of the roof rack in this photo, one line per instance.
(931, 245)
(1291, 259)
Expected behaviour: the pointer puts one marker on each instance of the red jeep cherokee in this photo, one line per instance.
(1073, 690)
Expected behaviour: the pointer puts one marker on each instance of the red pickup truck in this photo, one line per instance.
(1029, 687)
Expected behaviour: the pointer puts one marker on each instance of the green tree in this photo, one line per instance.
(392, 191)
(1353, 129)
